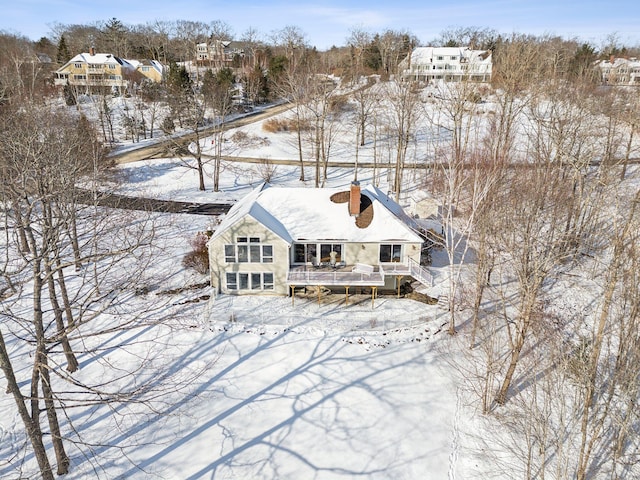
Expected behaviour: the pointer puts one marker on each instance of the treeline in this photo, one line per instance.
(25, 63)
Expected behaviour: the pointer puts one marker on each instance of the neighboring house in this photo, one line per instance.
(150, 69)
(93, 71)
(620, 71)
(277, 239)
(451, 64)
(220, 53)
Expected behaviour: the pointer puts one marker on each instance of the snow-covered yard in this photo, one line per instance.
(265, 387)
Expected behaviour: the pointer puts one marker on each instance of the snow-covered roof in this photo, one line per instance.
(156, 65)
(618, 62)
(308, 214)
(428, 54)
(99, 58)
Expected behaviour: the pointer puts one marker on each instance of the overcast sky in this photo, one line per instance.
(328, 23)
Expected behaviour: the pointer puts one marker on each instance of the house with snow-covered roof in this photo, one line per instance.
(98, 71)
(450, 64)
(278, 239)
(619, 71)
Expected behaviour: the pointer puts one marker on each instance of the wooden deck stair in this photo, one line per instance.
(443, 302)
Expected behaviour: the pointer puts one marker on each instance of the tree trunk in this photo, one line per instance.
(627, 154)
(72, 362)
(299, 134)
(62, 459)
(32, 426)
(594, 357)
(524, 321)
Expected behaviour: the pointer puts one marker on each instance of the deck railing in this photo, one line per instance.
(420, 273)
(345, 276)
(338, 277)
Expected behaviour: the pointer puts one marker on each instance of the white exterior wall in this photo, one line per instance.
(249, 227)
(369, 253)
(446, 63)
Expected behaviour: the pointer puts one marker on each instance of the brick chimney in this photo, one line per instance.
(354, 199)
(92, 51)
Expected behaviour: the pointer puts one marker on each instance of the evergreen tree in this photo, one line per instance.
(581, 65)
(63, 55)
(69, 95)
(114, 38)
(178, 79)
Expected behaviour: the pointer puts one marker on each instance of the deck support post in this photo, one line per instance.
(374, 291)
(293, 291)
(398, 278)
(319, 290)
(346, 291)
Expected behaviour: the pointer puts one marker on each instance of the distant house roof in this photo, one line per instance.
(309, 214)
(98, 59)
(147, 63)
(427, 54)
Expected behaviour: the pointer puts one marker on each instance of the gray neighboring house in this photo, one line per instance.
(278, 239)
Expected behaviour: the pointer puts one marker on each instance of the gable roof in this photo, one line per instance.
(97, 59)
(427, 54)
(308, 214)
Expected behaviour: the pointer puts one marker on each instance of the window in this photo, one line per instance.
(256, 281)
(232, 281)
(230, 253)
(250, 281)
(327, 248)
(390, 253)
(267, 281)
(77, 65)
(112, 66)
(305, 253)
(317, 252)
(440, 57)
(248, 250)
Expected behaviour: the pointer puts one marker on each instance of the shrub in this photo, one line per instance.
(168, 126)
(199, 242)
(198, 257)
(275, 125)
(199, 261)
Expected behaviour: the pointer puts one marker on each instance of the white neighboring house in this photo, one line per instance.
(277, 239)
(451, 64)
(620, 71)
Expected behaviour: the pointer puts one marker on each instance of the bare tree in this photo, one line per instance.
(393, 47)
(358, 41)
(403, 98)
(217, 95)
(605, 382)
(366, 100)
(292, 85)
(43, 154)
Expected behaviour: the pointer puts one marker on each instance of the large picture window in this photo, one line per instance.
(250, 281)
(248, 250)
(316, 253)
(390, 253)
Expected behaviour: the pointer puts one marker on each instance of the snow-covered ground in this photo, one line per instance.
(261, 387)
(266, 387)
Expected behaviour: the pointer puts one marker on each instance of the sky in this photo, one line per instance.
(327, 23)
